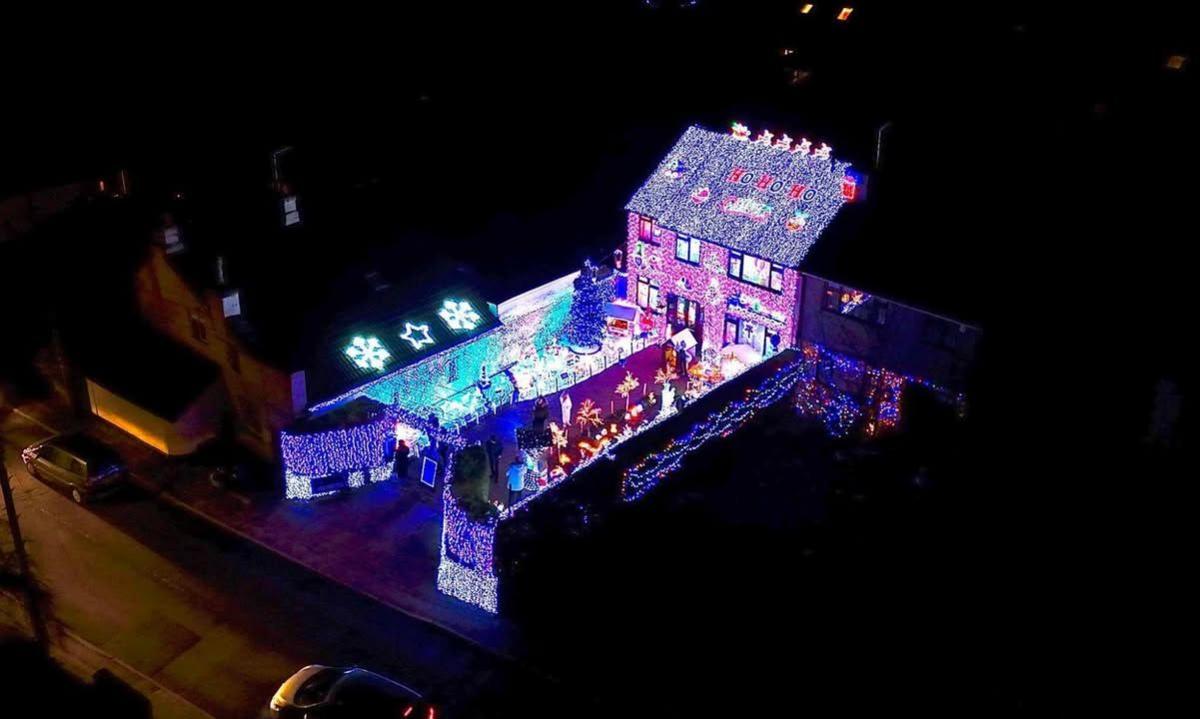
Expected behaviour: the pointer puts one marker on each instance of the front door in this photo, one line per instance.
(683, 313)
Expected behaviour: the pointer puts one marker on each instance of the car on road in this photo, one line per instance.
(321, 692)
(77, 463)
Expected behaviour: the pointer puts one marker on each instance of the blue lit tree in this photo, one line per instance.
(584, 329)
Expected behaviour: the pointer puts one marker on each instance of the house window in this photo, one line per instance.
(687, 249)
(646, 229)
(199, 331)
(685, 312)
(756, 271)
(731, 329)
(940, 333)
(647, 292)
(849, 302)
(234, 357)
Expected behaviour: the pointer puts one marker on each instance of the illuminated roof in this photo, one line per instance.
(390, 333)
(768, 196)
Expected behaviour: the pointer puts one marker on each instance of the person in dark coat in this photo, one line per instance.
(541, 413)
(401, 459)
(494, 450)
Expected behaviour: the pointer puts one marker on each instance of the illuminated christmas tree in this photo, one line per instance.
(585, 323)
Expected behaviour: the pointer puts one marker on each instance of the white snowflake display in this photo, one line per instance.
(459, 315)
(411, 332)
(368, 353)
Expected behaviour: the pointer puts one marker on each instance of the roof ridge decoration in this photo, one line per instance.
(772, 196)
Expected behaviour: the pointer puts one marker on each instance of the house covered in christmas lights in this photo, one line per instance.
(717, 234)
(719, 242)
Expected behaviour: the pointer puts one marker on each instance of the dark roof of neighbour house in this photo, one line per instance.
(149, 370)
(397, 330)
(764, 198)
(883, 246)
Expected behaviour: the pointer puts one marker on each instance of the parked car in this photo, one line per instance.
(77, 463)
(320, 692)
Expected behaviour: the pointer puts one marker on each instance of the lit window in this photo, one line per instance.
(844, 15)
(687, 249)
(806, 8)
(756, 271)
(646, 229)
(1176, 62)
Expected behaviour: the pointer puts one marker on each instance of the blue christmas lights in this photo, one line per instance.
(645, 475)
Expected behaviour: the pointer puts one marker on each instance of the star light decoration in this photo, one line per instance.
(459, 315)
(712, 157)
(410, 333)
(368, 353)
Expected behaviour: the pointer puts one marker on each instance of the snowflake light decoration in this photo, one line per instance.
(459, 315)
(368, 353)
(410, 332)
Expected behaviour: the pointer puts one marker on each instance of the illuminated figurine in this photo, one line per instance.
(564, 402)
(668, 399)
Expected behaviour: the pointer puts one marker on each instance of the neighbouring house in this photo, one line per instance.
(163, 394)
(184, 296)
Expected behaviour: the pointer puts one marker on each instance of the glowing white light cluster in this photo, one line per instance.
(761, 186)
(411, 332)
(469, 585)
(459, 315)
(368, 353)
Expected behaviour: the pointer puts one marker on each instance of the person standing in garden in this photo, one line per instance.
(541, 413)
(515, 475)
(494, 450)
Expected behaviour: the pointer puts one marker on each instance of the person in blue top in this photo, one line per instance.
(515, 474)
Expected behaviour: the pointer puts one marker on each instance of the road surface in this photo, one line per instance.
(221, 621)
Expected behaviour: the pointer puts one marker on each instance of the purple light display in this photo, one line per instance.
(710, 285)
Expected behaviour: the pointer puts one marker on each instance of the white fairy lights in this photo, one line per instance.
(368, 353)
(416, 335)
(459, 315)
(764, 181)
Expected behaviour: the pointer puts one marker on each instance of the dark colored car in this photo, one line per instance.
(319, 692)
(76, 463)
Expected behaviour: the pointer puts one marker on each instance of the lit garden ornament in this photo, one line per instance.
(411, 332)
(459, 315)
(627, 385)
(368, 353)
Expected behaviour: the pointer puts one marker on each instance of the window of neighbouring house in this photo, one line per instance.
(755, 270)
(849, 302)
(199, 331)
(687, 249)
(940, 333)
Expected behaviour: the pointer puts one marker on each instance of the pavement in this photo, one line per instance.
(219, 619)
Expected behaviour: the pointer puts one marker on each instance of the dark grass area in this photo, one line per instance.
(780, 568)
